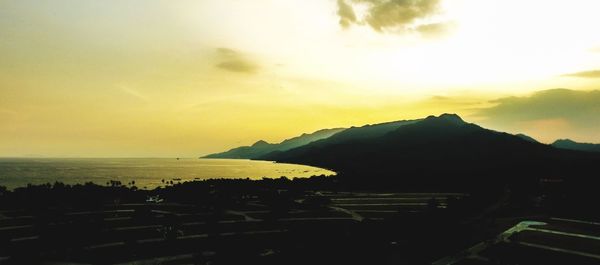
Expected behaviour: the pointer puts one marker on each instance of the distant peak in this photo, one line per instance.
(260, 143)
(448, 117)
(451, 116)
(573, 145)
(564, 141)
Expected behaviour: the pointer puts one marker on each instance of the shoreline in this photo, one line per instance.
(146, 173)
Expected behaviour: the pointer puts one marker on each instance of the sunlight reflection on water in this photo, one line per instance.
(146, 172)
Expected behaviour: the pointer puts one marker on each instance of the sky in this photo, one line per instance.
(179, 78)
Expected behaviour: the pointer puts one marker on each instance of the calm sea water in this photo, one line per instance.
(146, 172)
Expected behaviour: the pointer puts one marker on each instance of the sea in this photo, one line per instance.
(144, 173)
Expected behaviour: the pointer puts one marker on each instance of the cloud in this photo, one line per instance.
(434, 29)
(226, 52)
(346, 13)
(439, 98)
(585, 74)
(384, 15)
(233, 61)
(550, 114)
(393, 13)
(238, 66)
(134, 93)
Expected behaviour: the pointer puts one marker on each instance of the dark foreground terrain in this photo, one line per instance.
(321, 220)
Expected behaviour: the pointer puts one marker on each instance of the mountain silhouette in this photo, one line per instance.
(261, 147)
(526, 138)
(440, 151)
(572, 145)
(366, 131)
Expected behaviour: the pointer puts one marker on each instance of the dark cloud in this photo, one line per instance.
(577, 106)
(233, 61)
(391, 14)
(384, 14)
(552, 110)
(585, 74)
(346, 13)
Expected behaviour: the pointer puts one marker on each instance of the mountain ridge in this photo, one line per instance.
(444, 150)
(262, 147)
(573, 145)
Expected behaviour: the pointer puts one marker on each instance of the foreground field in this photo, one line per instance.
(304, 221)
(545, 241)
(314, 227)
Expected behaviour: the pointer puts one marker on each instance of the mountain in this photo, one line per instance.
(572, 145)
(368, 131)
(261, 147)
(443, 151)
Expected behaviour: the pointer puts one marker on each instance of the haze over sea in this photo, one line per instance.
(146, 172)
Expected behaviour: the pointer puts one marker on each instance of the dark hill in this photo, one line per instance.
(527, 138)
(262, 148)
(369, 131)
(572, 145)
(441, 151)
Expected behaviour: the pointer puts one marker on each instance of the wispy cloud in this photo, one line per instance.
(134, 93)
(585, 74)
(435, 29)
(233, 61)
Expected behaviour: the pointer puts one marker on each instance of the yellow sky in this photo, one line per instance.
(185, 78)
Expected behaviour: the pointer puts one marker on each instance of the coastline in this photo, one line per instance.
(147, 173)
